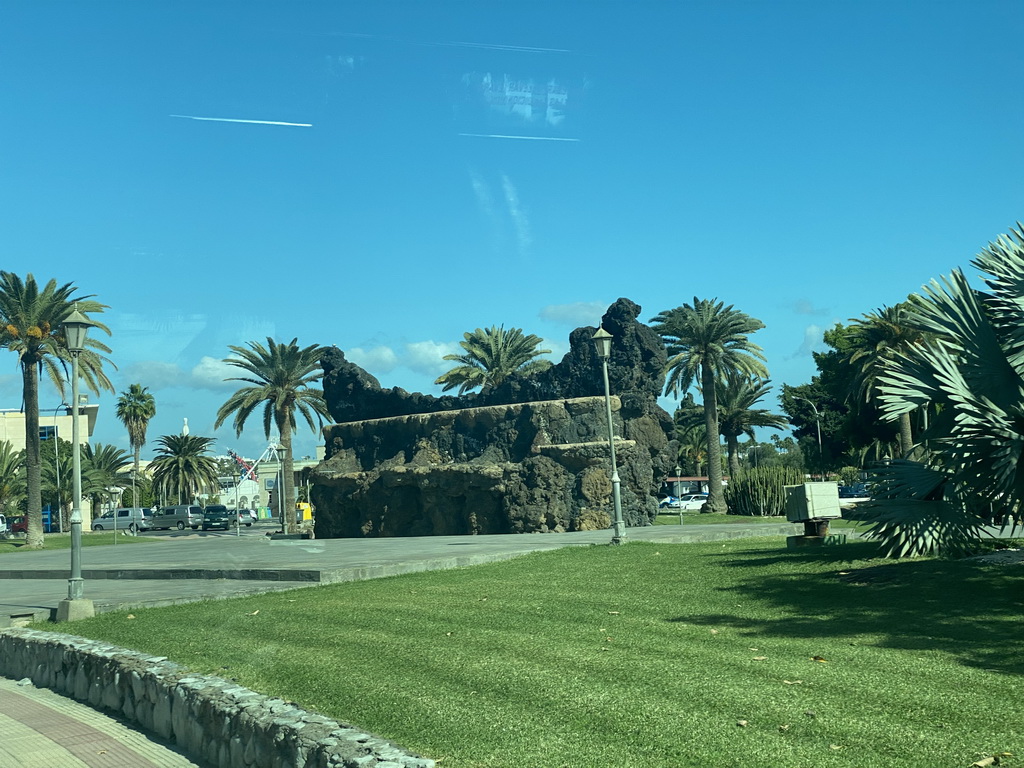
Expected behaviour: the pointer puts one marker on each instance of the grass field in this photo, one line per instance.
(63, 541)
(722, 654)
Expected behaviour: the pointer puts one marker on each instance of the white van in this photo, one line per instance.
(124, 519)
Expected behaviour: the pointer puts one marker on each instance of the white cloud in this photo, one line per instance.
(483, 194)
(427, 357)
(576, 314)
(519, 218)
(378, 360)
(211, 372)
(813, 341)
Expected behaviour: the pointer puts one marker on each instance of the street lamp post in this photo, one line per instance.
(76, 606)
(817, 421)
(603, 342)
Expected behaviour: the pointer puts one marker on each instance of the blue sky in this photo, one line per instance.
(805, 162)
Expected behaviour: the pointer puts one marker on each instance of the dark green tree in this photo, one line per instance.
(135, 407)
(737, 396)
(104, 472)
(492, 355)
(30, 326)
(705, 341)
(183, 468)
(280, 378)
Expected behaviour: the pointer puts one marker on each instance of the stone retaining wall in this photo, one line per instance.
(211, 720)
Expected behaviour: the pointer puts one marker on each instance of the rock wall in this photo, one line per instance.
(528, 456)
(211, 720)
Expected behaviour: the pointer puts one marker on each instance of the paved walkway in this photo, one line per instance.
(41, 729)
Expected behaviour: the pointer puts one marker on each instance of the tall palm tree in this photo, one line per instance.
(736, 396)
(878, 337)
(491, 356)
(280, 378)
(30, 326)
(135, 408)
(182, 468)
(705, 341)
(104, 471)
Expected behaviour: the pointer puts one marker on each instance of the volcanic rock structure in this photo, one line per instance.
(530, 455)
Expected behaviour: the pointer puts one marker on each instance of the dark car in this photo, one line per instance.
(219, 516)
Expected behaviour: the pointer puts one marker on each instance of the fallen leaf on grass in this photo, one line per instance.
(760, 658)
(836, 746)
(447, 634)
(130, 616)
(613, 613)
(993, 760)
(783, 728)
(253, 613)
(793, 682)
(714, 631)
(822, 659)
(741, 723)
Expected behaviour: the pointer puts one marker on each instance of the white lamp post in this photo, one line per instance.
(603, 342)
(76, 606)
(817, 420)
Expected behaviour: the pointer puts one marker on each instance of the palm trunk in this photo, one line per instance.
(33, 487)
(906, 436)
(287, 471)
(734, 455)
(716, 499)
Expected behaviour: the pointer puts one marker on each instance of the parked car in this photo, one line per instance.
(3, 525)
(124, 518)
(688, 502)
(858, 491)
(179, 516)
(244, 518)
(219, 516)
(250, 513)
(17, 524)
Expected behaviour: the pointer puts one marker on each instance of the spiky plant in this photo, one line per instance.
(971, 366)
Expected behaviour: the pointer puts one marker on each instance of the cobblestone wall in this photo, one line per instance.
(210, 719)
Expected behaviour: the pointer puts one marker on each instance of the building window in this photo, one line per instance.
(47, 433)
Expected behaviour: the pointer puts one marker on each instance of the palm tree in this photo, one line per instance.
(182, 469)
(135, 408)
(491, 356)
(736, 415)
(969, 367)
(878, 337)
(12, 478)
(705, 341)
(30, 326)
(57, 475)
(104, 471)
(280, 379)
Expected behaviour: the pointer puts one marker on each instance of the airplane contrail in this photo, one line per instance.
(505, 136)
(234, 120)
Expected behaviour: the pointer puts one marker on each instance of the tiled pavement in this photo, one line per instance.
(42, 729)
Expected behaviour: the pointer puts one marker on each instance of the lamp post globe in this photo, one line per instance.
(75, 606)
(603, 343)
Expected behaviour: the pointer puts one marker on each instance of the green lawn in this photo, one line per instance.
(63, 541)
(737, 653)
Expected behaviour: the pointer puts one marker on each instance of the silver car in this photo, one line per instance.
(124, 519)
